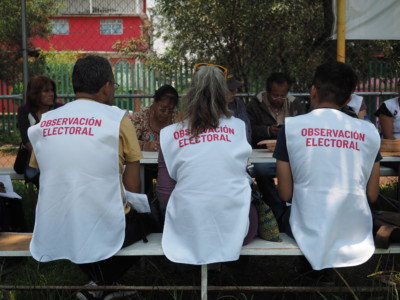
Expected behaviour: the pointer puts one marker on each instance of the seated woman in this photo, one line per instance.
(40, 98)
(148, 123)
(389, 118)
(150, 120)
(202, 175)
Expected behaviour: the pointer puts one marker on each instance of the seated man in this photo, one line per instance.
(81, 148)
(328, 167)
(267, 112)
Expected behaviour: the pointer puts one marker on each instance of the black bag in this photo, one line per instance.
(21, 160)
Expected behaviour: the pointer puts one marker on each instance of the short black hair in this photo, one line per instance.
(277, 77)
(335, 82)
(91, 73)
(167, 91)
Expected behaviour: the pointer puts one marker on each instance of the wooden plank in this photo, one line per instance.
(17, 244)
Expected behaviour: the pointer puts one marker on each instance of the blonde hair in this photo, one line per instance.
(206, 100)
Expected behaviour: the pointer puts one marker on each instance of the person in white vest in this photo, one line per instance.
(328, 168)
(356, 106)
(81, 149)
(202, 175)
(389, 117)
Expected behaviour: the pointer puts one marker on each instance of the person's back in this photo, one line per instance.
(88, 154)
(207, 215)
(325, 162)
(84, 135)
(331, 166)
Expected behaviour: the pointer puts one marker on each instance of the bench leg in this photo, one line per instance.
(204, 282)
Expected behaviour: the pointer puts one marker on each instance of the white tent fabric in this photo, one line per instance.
(370, 19)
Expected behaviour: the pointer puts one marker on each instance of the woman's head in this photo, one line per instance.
(41, 92)
(206, 100)
(165, 102)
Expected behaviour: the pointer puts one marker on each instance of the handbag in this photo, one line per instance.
(267, 225)
(21, 160)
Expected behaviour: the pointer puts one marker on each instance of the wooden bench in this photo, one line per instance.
(17, 245)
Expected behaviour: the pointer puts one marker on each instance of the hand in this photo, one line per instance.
(151, 146)
(274, 130)
(270, 144)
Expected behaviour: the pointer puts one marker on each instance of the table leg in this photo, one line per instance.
(142, 178)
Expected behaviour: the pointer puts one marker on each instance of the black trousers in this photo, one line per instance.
(109, 271)
(12, 217)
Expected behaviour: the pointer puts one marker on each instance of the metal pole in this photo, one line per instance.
(24, 47)
(341, 30)
(204, 281)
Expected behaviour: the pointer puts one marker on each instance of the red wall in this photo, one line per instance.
(84, 34)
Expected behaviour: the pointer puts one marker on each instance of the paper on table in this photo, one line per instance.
(6, 180)
(138, 201)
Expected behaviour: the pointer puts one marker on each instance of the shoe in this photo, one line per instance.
(119, 294)
(89, 295)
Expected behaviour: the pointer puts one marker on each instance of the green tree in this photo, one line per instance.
(37, 12)
(251, 37)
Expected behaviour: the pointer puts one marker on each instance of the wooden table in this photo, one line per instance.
(265, 156)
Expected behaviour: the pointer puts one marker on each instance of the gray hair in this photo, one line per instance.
(206, 100)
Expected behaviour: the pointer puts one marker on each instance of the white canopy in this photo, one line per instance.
(370, 19)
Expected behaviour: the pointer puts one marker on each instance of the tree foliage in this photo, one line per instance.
(37, 12)
(254, 38)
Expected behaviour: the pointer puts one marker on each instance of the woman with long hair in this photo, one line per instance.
(41, 97)
(202, 176)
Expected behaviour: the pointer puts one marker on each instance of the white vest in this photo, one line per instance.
(207, 214)
(393, 106)
(355, 103)
(331, 157)
(79, 214)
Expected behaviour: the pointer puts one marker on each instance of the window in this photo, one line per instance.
(59, 26)
(111, 26)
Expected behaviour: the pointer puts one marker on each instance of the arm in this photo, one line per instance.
(130, 155)
(23, 125)
(165, 184)
(363, 110)
(131, 177)
(386, 126)
(285, 180)
(373, 183)
(284, 171)
(362, 114)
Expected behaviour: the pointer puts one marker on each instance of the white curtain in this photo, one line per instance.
(371, 19)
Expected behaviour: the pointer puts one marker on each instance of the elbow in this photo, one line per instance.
(284, 195)
(372, 197)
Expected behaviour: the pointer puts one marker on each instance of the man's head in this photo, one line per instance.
(277, 87)
(92, 75)
(333, 83)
